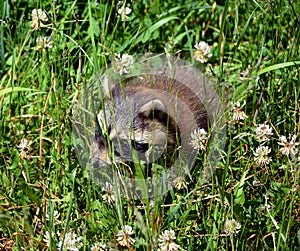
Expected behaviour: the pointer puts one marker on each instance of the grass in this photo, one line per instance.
(255, 58)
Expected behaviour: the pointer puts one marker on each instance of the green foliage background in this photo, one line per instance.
(255, 47)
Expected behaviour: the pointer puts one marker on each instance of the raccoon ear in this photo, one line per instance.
(153, 105)
(107, 86)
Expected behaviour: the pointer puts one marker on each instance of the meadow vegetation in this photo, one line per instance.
(49, 50)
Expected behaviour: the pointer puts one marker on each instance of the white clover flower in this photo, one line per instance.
(288, 147)
(99, 247)
(261, 155)
(202, 54)
(263, 131)
(123, 236)
(38, 16)
(24, 144)
(55, 216)
(123, 12)
(47, 238)
(232, 227)
(43, 42)
(123, 63)
(71, 242)
(199, 139)
(238, 113)
(109, 195)
(167, 235)
(24, 147)
(180, 183)
(166, 241)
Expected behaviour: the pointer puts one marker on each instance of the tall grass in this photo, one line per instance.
(255, 47)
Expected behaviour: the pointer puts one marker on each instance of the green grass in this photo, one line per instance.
(255, 47)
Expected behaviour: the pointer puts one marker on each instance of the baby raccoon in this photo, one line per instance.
(147, 118)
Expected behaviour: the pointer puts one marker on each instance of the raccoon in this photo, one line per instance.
(151, 115)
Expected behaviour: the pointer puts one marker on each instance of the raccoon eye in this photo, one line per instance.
(140, 147)
(117, 153)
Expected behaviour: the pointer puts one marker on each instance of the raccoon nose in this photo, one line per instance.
(140, 147)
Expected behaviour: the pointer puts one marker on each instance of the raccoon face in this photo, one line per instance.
(146, 119)
(135, 126)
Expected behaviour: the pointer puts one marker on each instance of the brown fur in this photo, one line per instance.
(131, 115)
